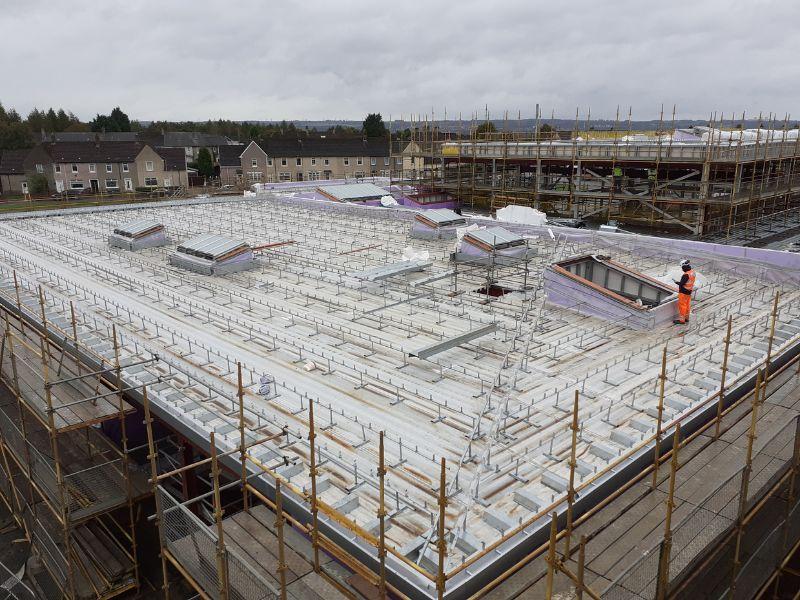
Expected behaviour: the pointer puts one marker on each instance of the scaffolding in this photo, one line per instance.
(240, 548)
(430, 517)
(722, 186)
(68, 486)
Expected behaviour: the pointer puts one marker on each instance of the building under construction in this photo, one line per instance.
(507, 412)
(722, 184)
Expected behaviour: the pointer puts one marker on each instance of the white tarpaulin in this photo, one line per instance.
(524, 215)
(409, 254)
(462, 231)
(388, 201)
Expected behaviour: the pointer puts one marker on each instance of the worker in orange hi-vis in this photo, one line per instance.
(685, 287)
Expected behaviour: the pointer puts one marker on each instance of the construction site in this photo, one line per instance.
(277, 396)
(722, 182)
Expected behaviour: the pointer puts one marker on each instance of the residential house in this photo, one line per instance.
(161, 167)
(318, 158)
(229, 161)
(254, 164)
(17, 166)
(111, 167)
(193, 141)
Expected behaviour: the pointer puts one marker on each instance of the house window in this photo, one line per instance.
(313, 175)
(270, 179)
(57, 168)
(254, 175)
(254, 163)
(386, 161)
(373, 161)
(39, 168)
(327, 161)
(398, 161)
(76, 185)
(359, 174)
(269, 162)
(112, 184)
(313, 161)
(74, 168)
(346, 162)
(109, 168)
(148, 166)
(283, 162)
(360, 160)
(92, 168)
(285, 177)
(150, 181)
(384, 173)
(125, 167)
(299, 162)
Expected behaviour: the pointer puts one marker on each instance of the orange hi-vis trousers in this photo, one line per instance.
(684, 307)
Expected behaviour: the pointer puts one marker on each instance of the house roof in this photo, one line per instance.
(174, 158)
(185, 139)
(12, 162)
(230, 156)
(89, 136)
(93, 152)
(327, 146)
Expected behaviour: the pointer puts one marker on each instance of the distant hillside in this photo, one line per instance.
(456, 126)
(520, 125)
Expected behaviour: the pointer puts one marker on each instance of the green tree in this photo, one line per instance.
(116, 121)
(15, 136)
(51, 121)
(62, 120)
(374, 126)
(37, 183)
(205, 163)
(37, 120)
(483, 128)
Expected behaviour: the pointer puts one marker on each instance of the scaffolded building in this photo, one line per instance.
(733, 185)
(70, 488)
(431, 421)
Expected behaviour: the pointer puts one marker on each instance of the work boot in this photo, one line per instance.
(679, 322)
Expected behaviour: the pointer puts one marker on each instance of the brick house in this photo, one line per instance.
(112, 167)
(229, 162)
(315, 159)
(254, 164)
(17, 166)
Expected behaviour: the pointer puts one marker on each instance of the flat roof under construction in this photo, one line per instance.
(493, 395)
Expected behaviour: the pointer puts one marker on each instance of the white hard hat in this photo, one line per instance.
(685, 263)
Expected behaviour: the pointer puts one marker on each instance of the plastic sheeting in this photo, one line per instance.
(409, 254)
(524, 215)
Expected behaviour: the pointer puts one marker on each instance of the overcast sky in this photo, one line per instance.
(314, 59)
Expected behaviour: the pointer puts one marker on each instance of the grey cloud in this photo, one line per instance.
(319, 59)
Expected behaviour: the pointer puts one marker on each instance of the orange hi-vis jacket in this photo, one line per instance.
(686, 284)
